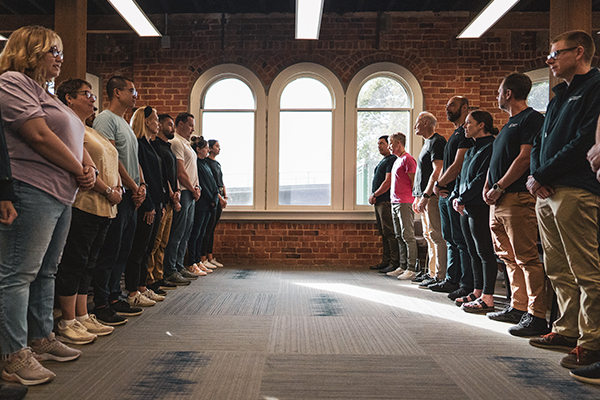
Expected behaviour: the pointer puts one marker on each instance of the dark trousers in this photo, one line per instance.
(136, 269)
(86, 237)
(459, 261)
(114, 253)
(202, 217)
(476, 228)
(209, 236)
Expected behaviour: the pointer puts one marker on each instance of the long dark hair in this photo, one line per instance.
(487, 119)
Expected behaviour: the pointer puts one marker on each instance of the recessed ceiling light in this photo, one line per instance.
(487, 18)
(308, 18)
(135, 17)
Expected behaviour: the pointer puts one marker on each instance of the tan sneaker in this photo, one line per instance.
(75, 333)
(203, 268)
(22, 367)
(94, 326)
(210, 265)
(149, 293)
(140, 301)
(215, 262)
(51, 349)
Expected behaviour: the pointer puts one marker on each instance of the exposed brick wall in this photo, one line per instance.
(424, 43)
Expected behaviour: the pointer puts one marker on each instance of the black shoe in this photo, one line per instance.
(12, 392)
(387, 269)
(530, 325)
(122, 307)
(379, 266)
(159, 291)
(164, 285)
(421, 276)
(589, 374)
(426, 282)
(509, 314)
(460, 292)
(188, 275)
(108, 316)
(444, 286)
(177, 279)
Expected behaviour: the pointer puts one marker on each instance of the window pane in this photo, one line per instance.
(306, 93)
(539, 97)
(229, 94)
(383, 93)
(235, 133)
(305, 158)
(372, 125)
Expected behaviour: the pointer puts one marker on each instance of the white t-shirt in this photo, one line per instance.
(184, 152)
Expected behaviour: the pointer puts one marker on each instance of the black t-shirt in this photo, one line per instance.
(433, 149)
(519, 130)
(384, 167)
(215, 167)
(456, 141)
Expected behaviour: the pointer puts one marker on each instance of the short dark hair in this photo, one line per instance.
(576, 39)
(70, 87)
(519, 85)
(212, 142)
(198, 142)
(384, 137)
(183, 117)
(116, 82)
(163, 117)
(399, 136)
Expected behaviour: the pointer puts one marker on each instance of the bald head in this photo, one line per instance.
(457, 110)
(425, 124)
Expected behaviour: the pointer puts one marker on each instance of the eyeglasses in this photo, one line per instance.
(87, 94)
(55, 52)
(134, 92)
(555, 53)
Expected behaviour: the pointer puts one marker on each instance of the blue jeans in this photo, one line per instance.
(30, 249)
(181, 228)
(459, 261)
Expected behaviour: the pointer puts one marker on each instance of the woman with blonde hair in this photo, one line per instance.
(145, 126)
(45, 145)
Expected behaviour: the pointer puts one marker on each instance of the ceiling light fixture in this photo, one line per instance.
(308, 18)
(135, 17)
(487, 18)
(2, 38)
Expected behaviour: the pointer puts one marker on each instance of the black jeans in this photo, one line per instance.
(86, 237)
(202, 217)
(136, 269)
(459, 261)
(209, 236)
(476, 228)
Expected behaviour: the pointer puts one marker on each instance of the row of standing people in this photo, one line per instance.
(479, 195)
(86, 205)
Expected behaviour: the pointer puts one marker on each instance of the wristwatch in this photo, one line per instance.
(108, 191)
(497, 188)
(426, 195)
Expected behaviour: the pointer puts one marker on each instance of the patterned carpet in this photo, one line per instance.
(310, 333)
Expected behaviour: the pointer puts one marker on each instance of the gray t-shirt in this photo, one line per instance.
(22, 99)
(114, 127)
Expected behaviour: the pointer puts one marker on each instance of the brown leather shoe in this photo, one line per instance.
(554, 341)
(580, 357)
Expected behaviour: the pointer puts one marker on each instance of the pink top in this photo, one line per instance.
(22, 99)
(401, 190)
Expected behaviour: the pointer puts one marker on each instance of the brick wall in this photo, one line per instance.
(424, 43)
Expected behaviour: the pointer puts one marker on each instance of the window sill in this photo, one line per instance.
(308, 215)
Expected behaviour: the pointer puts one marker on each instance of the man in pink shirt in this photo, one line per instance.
(403, 216)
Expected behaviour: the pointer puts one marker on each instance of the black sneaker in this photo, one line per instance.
(164, 285)
(379, 266)
(589, 374)
(12, 392)
(176, 279)
(108, 316)
(421, 276)
(122, 307)
(387, 269)
(159, 291)
(509, 314)
(460, 292)
(530, 325)
(444, 286)
(426, 282)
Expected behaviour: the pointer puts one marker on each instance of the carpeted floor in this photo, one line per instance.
(310, 333)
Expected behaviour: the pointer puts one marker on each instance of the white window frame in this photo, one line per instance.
(197, 94)
(415, 93)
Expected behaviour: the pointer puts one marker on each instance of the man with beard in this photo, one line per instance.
(163, 148)
(380, 198)
(458, 281)
(512, 210)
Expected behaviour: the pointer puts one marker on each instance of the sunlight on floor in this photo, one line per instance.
(449, 312)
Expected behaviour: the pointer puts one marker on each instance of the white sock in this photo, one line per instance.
(82, 317)
(65, 323)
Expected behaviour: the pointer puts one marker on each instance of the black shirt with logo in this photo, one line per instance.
(456, 141)
(433, 149)
(384, 167)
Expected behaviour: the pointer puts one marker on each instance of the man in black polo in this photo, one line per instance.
(380, 198)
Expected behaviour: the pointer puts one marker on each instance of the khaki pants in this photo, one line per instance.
(568, 223)
(436, 245)
(155, 261)
(514, 232)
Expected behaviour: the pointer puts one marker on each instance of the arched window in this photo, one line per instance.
(539, 97)
(383, 107)
(228, 115)
(305, 129)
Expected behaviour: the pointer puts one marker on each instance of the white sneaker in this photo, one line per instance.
(215, 262)
(140, 301)
(94, 326)
(22, 367)
(75, 333)
(398, 271)
(149, 293)
(51, 349)
(407, 275)
(208, 264)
